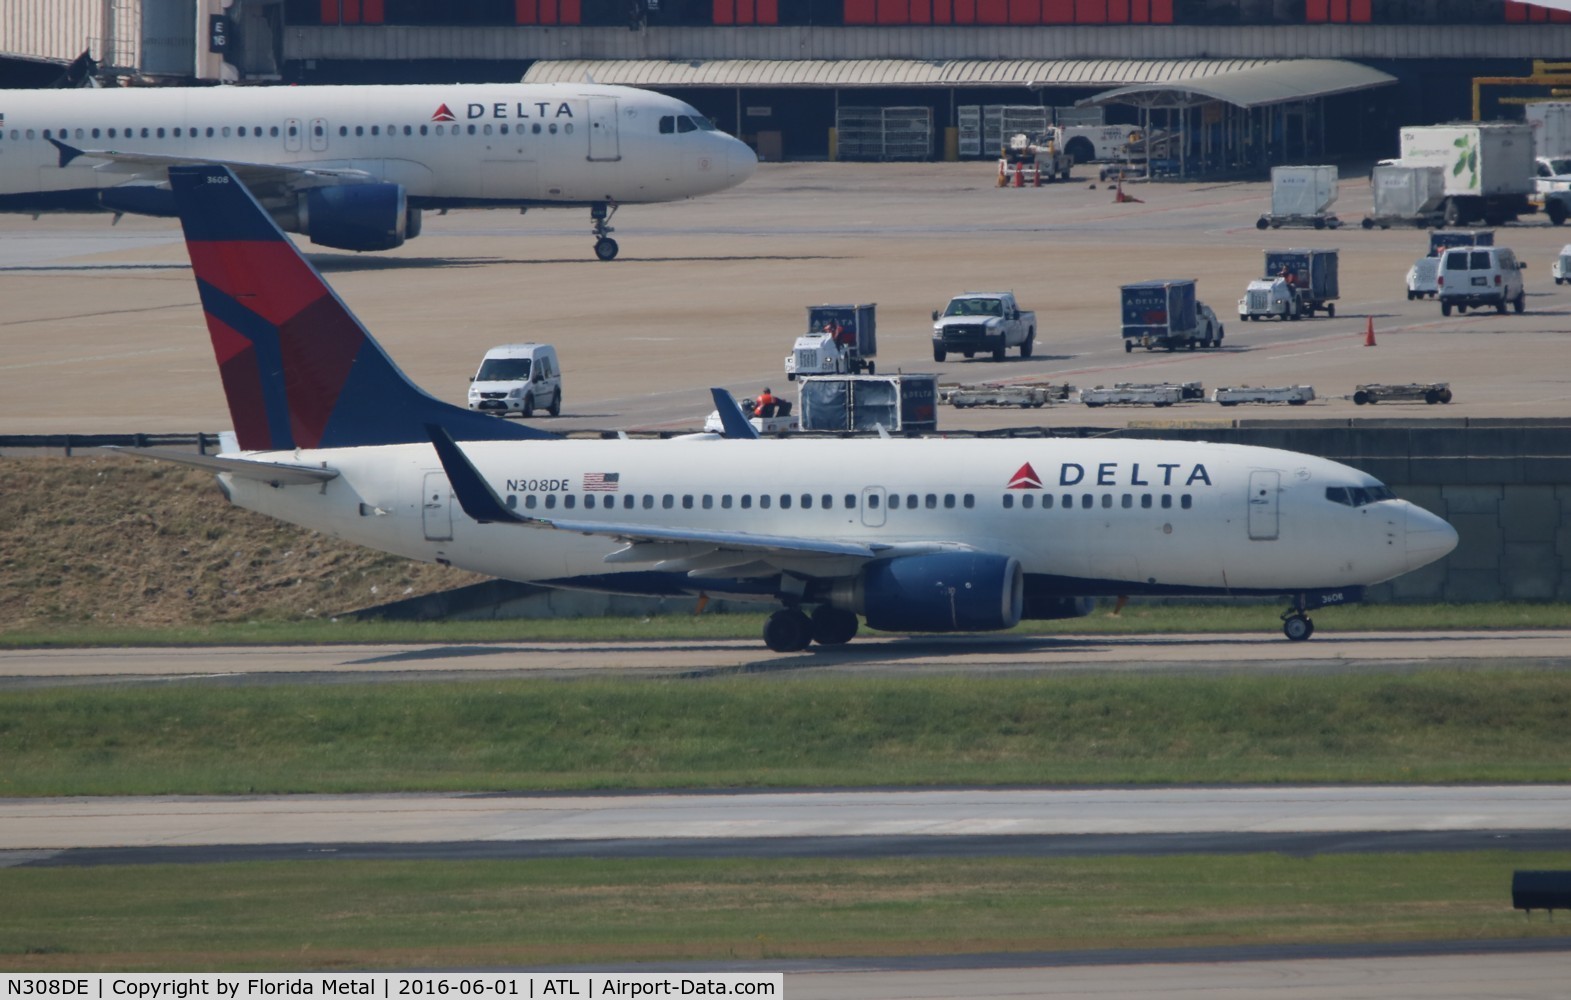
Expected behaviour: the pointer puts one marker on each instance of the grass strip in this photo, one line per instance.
(779, 730)
(1136, 619)
(327, 915)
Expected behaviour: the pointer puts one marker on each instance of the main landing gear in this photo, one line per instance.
(600, 218)
(789, 630)
(1296, 624)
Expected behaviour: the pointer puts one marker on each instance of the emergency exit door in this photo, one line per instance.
(437, 508)
(1264, 489)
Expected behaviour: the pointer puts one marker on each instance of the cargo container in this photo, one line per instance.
(862, 403)
(1406, 195)
(1300, 196)
(1159, 314)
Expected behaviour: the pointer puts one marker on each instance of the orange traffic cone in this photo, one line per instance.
(1003, 179)
(1369, 333)
(1019, 180)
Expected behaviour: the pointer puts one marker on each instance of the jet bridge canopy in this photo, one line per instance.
(1245, 118)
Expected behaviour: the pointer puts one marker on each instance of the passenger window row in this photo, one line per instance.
(726, 501)
(1087, 501)
(274, 131)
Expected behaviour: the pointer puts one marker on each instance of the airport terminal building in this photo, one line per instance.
(1236, 85)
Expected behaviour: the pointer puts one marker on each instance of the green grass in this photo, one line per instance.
(1135, 619)
(327, 915)
(784, 730)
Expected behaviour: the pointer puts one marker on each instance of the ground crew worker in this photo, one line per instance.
(765, 398)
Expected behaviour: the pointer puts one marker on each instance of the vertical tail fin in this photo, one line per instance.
(298, 368)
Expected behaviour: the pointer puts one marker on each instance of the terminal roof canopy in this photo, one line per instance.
(959, 73)
(1281, 82)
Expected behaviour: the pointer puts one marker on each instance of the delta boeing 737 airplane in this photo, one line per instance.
(927, 535)
(352, 167)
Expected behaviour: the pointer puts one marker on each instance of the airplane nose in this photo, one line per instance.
(740, 162)
(1428, 537)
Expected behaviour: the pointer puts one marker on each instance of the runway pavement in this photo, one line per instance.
(951, 815)
(1265, 651)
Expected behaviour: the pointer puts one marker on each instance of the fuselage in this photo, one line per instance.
(447, 145)
(1083, 517)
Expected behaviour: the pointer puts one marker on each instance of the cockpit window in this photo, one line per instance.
(685, 123)
(1359, 496)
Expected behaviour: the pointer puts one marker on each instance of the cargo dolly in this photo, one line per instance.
(991, 394)
(1412, 392)
(1140, 394)
(1292, 395)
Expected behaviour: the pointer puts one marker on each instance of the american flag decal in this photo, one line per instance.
(602, 482)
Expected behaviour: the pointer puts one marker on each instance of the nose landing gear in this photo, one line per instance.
(1296, 624)
(600, 218)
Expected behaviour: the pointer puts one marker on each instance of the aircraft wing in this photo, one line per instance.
(698, 550)
(273, 473)
(253, 175)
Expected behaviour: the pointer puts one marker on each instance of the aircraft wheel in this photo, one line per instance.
(529, 406)
(1297, 627)
(787, 631)
(606, 248)
(555, 409)
(832, 626)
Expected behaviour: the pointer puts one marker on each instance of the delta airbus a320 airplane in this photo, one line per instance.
(928, 535)
(352, 167)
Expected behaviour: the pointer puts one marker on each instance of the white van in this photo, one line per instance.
(1480, 276)
(1561, 269)
(517, 378)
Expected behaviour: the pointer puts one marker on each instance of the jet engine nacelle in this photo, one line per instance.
(943, 592)
(357, 216)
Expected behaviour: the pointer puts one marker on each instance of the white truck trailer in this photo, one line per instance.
(1301, 196)
(1487, 168)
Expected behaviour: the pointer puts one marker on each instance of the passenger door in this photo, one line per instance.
(1264, 517)
(604, 143)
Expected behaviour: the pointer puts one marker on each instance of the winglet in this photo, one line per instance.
(732, 419)
(477, 499)
(67, 153)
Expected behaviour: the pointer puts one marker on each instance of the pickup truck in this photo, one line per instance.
(977, 322)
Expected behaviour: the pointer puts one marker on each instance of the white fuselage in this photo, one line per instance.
(448, 145)
(1082, 517)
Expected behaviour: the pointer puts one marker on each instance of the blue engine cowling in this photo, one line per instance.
(358, 216)
(944, 592)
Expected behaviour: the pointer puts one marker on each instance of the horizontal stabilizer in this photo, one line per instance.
(272, 473)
